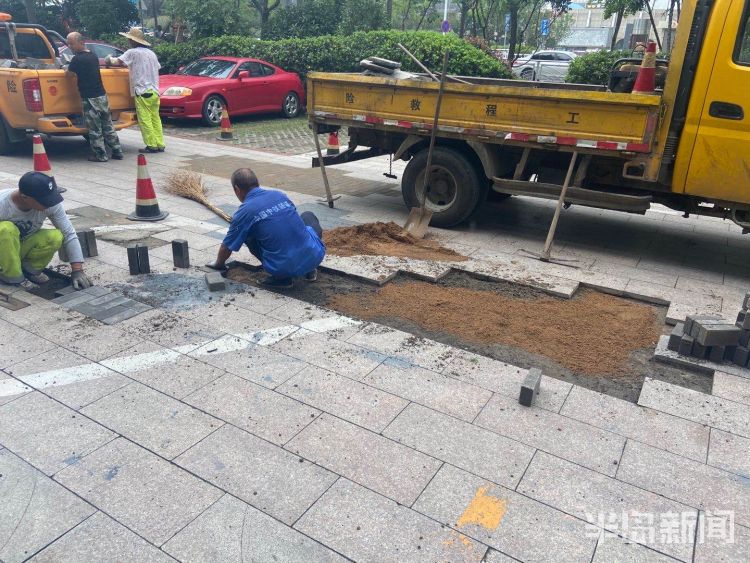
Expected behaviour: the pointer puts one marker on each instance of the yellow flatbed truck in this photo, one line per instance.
(685, 146)
(37, 95)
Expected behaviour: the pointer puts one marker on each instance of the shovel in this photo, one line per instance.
(419, 217)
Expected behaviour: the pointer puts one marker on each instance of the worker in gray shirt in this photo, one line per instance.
(26, 248)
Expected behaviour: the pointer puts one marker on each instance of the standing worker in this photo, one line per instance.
(85, 65)
(26, 248)
(144, 86)
(287, 244)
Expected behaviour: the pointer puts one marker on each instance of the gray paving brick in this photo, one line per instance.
(169, 329)
(47, 434)
(494, 556)
(262, 474)
(100, 538)
(730, 453)
(18, 345)
(497, 516)
(140, 490)
(600, 500)
(376, 462)
(151, 419)
(366, 526)
(34, 510)
(464, 445)
(229, 318)
(553, 433)
(722, 549)
(698, 407)
(614, 549)
(431, 389)
(660, 430)
(731, 387)
(254, 408)
(92, 340)
(686, 481)
(231, 530)
(353, 401)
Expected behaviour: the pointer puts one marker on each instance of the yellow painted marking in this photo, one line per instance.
(484, 510)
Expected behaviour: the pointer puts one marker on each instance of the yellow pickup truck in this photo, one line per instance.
(686, 145)
(37, 95)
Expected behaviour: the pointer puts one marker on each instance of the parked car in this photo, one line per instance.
(544, 66)
(202, 89)
(99, 48)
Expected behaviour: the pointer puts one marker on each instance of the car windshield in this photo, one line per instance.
(211, 68)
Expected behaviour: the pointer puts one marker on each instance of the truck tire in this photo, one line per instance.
(6, 146)
(457, 186)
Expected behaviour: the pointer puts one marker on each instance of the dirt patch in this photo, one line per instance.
(385, 239)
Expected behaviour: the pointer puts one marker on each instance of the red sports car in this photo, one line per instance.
(202, 89)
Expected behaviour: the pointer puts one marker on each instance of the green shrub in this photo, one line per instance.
(333, 53)
(98, 18)
(594, 68)
(308, 19)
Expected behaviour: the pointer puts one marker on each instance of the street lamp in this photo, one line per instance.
(446, 26)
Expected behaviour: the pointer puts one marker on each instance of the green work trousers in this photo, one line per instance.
(31, 254)
(147, 109)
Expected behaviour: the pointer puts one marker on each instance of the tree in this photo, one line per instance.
(208, 18)
(308, 19)
(264, 9)
(105, 16)
(619, 9)
(362, 15)
(30, 10)
(154, 7)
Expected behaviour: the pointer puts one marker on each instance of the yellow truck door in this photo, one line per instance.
(719, 166)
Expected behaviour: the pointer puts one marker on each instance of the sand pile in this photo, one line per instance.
(592, 334)
(385, 239)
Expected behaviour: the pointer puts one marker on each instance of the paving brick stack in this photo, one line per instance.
(714, 338)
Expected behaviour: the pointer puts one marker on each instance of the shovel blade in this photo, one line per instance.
(418, 221)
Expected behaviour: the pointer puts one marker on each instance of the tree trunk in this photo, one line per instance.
(513, 25)
(653, 25)
(618, 22)
(389, 12)
(30, 6)
(156, 15)
(462, 21)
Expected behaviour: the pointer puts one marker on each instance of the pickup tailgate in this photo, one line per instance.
(499, 112)
(60, 92)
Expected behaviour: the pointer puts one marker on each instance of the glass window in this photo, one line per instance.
(267, 70)
(562, 56)
(28, 46)
(742, 51)
(251, 66)
(211, 68)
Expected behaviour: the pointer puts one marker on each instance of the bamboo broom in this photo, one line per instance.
(189, 185)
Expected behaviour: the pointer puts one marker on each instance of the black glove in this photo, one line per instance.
(79, 280)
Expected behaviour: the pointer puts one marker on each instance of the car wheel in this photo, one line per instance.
(456, 187)
(291, 106)
(527, 74)
(213, 107)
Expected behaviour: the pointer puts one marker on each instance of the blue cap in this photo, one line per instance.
(41, 188)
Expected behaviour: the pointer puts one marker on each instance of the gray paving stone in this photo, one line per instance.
(600, 500)
(730, 453)
(706, 367)
(494, 556)
(572, 440)
(497, 516)
(698, 407)
(34, 510)
(229, 318)
(256, 409)
(169, 329)
(464, 445)
(686, 481)
(731, 387)
(263, 475)
(91, 339)
(77, 394)
(376, 462)
(231, 530)
(18, 345)
(353, 401)
(151, 419)
(149, 495)
(11, 389)
(720, 549)
(430, 389)
(331, 354)
(47, 434)
(614, 549)
(657, 429)
(56, 358)
(100, 538)
(365, 526)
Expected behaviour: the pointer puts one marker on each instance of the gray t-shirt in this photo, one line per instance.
(29, 222)
(144, 70)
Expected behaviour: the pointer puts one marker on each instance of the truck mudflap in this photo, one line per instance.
(63, 125)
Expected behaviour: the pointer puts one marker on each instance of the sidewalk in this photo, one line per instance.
(250, 426)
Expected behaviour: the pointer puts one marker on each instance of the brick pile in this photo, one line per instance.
(714, 338)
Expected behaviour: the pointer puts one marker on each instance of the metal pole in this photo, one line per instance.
(561, 200)
(329, 196)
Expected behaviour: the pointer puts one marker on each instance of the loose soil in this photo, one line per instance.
(515, 324)
(385, 239)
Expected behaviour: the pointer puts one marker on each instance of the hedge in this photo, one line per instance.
(594, 68)
(333, 53)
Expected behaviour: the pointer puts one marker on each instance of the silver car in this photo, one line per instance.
(544, 66)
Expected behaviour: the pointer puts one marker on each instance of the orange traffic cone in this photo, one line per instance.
(41, 162)
(226, 127)
(646, 80)
(333, 144)
(146, 205)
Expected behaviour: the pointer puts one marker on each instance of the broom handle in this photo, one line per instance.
(220, 212)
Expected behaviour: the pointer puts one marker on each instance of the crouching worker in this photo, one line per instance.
(26, 248)
(287, 244)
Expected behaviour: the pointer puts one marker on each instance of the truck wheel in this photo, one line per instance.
(456, 189)
(6, 146)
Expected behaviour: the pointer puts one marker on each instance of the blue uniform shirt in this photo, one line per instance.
(288, 248)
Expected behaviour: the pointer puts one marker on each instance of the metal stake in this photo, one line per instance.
(329, 198)
(545, 257)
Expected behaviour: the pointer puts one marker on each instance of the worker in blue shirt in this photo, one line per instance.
(287, 244)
